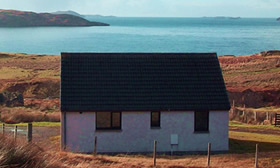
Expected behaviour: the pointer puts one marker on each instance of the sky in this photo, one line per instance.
(153, 8)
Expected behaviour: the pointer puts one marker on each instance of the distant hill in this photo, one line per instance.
(13, 18)
(278, 19)
(69, 12)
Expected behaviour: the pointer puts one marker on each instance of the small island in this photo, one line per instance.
(278, 19)
(223, 17)
(13, 18)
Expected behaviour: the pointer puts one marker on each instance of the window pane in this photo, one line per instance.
(103, 120)
(201, 120)
(116, 120)
(155, 121)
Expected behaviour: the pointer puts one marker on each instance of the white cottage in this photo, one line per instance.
(128, 100)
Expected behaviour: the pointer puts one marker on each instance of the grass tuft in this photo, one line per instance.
(24, 155)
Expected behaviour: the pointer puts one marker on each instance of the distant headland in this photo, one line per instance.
(88, 17)
(278, 19)
(14, 18)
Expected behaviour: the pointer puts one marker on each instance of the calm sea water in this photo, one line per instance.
(224, 36)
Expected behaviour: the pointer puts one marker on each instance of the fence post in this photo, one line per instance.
(155, 153)
(3, 129)
(275, 119)
(270, 118)
(233, 106)
(15, 133)
(255, 115)
(209, 154)
(256, 159)
(29, 132)
(244, 107)
(95, 145)
(267, 116)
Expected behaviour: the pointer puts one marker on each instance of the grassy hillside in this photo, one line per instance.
(12, 18)
(252, 80)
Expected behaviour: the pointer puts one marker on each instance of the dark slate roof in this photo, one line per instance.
(142, 82)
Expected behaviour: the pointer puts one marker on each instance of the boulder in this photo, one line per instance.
(11, 99)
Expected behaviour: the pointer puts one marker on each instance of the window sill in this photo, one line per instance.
(201, 132)
(108, 130)
(155, 128)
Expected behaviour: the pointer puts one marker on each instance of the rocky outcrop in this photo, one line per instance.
(270, 53)
(12, 18)
(11, 99)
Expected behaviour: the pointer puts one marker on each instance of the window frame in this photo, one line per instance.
(111, 121)
(195, 126)
(159, 123)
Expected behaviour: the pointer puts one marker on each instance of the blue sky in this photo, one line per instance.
(155, 8)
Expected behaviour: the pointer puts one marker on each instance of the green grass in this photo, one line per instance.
(263, 109)
(48, 74)
(13, 73)
(237, 124)
(248, 136)
(37, 124)
(245, 142)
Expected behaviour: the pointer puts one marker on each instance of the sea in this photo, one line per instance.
(225, 36)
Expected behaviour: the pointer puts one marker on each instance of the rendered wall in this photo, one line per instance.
(137, 136)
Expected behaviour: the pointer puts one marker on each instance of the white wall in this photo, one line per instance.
(137, 136)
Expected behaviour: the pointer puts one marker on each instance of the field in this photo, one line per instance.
(243, 138)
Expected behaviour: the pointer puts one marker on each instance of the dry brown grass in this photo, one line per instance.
(269, 159)
(21, 114)
(269, 156)
(23, 155)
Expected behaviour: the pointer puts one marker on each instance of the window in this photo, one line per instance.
(155, 119)
(108, 120)
(201, 121)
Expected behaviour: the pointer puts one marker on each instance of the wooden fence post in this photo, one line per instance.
(233, 107)
(15, 133)
(244, 110)
(267, 116)
(209, 154)
(95, 145)
(155, 153)
(29, 132)
(256, 159)
(3, 129)
(255, 115)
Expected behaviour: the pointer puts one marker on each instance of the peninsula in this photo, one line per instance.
(13, 18)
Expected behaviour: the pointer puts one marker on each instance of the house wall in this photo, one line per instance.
(137, 136)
